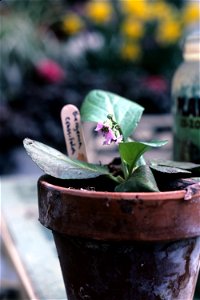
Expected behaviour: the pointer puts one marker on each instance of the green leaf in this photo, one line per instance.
(98, 104)
(130, 152)
(141, 161)
(142, 180)
(168, 166)
(176, 164)
(169, 170)
(58, 165)
(155, 144)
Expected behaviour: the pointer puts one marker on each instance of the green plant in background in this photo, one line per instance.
(40, 12)
(32, 73)
(19, 49)
(23, 45)
(134, 174)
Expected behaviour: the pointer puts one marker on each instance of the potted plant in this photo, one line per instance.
(127, 230)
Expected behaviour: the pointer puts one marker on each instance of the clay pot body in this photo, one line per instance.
(127, 246)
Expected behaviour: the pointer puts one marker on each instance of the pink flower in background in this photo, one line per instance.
(156, 83)
(50, 70)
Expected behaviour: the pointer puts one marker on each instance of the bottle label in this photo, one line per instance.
(187, 129)
(191, 122)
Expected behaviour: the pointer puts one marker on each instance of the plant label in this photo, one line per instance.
(73, 133)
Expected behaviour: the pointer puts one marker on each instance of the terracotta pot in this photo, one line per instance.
(123, 246)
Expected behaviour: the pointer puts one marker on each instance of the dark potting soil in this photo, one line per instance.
(101, 183)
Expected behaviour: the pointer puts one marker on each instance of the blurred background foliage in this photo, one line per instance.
(55, 52)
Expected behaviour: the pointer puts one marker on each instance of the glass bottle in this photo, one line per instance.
(186, 103)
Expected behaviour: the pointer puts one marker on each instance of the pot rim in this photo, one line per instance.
(177, 194)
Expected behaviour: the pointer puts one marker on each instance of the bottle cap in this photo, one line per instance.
(192, 46)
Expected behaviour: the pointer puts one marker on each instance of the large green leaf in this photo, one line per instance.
(58, 165)
(98, 104)
(169, 170)
(168, 166)
(155, 143)
(130, 152)
(176, 164)
(142, 180)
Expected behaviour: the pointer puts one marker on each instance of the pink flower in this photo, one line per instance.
(109, 131)
(156, 83)
(99, 126)
(119, 139)
(110, 137)
(50, 70)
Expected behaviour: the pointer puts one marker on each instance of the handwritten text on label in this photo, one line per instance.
(70, 131)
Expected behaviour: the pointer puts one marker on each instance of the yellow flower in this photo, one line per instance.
(191, 13)
(72, 24)
(132, 28)
(169, 31)
(160, 10)
(99, 11)
(130, 51)
(137, 8)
